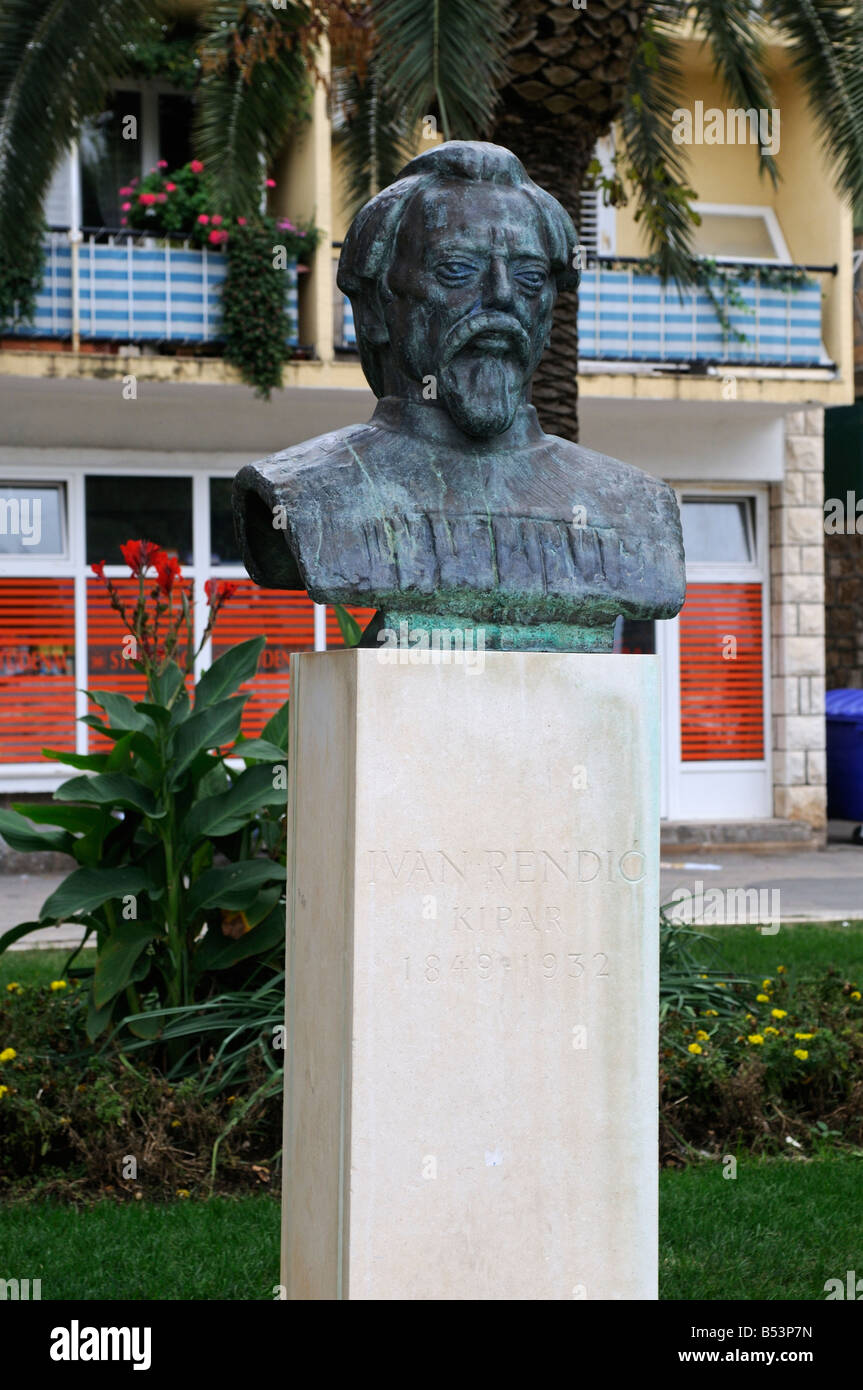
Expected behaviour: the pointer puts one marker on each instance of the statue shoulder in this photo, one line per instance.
(622, 487)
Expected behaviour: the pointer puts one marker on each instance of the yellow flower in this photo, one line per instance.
(855, 994)
(58, 984)
(756, 1039)
(183, 1192)
(14, 988)
(801, 1053)
(175, 1124)
(702, 977)
(3, 1090)
(780, 970)
(804, 1037)
(695, 1047)
(710, 1013)
(8, 1054)
(701, 1035)
(765, 984)
(750, 1018)
(721, 985)
(778, 1013)
(772, 1030)
(763, 998)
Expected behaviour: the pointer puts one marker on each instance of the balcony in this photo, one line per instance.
(627, 316)
(137, 289)
(134, 289)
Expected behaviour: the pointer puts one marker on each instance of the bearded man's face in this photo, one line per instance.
(472, 299)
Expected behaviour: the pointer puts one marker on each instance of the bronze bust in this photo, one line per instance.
(452, 509)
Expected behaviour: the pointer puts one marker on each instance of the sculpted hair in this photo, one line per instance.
(370, 241)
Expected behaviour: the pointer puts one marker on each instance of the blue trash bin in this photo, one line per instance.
(845, 754)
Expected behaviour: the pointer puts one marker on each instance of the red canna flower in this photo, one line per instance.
(99, 569)
(218, 591)
(141, 556)
(167, 571)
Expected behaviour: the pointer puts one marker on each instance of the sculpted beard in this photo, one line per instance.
(483, 372)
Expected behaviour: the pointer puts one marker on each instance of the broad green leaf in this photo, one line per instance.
(120, 755)
(76, 818)
(207, 728)
(20, 834)
(121, 711)
(84, 889)
(89, 762)
(168, 683)
(233, 886)
(217, 952)
(118, 957)
(227, 672)
(348, 626)
(97, 1019)
(110, 789)
(143, 1026)
(259, 750)
(276, 728)
(14, 933)
(228, 811)
(157, 713)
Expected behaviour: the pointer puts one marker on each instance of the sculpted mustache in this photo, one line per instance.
(470, 328)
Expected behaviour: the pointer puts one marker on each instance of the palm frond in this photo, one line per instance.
(57, 60)
(731, 29)
(655, 165)
(372, 135)
(827, 51)
(443, 57)
(254, 90)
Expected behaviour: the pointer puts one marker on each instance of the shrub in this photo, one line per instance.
(180, 853)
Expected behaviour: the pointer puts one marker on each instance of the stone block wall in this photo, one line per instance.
(797, 623)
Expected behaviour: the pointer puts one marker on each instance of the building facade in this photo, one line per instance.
(138, 433)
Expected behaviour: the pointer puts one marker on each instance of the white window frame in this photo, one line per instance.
(675, 772)
(753, 210)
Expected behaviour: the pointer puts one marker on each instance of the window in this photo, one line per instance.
(32, 519)
(733, 232)
(719, 530)
(138, 507)
(223, 541)
(109, 159)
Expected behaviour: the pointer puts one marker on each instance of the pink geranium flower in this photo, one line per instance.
(124, 207)
(218, 236)
(162, 164)
(170, 187)
(271, 183)
(161, 197)
(196, 166)
(146, 199)
(241, 221)
(125, 192)
(203, 219)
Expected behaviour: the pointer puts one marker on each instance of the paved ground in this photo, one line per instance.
(814, 886)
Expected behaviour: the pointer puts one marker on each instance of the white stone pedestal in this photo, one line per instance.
(471, 1055)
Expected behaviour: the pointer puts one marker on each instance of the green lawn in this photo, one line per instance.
(219, 1249)
(37, 967)
(779, 1230)
(804, 948)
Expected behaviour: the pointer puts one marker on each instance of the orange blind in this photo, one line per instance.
(721, 673)
(37, 667)
(287, 619)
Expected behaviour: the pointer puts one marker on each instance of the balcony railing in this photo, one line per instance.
(627, 315)
(135, 288)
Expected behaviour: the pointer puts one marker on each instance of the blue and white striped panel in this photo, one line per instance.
(349, 332)
(629, 317)
(139, 293)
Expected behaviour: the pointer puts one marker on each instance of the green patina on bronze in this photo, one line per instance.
(451, 509)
